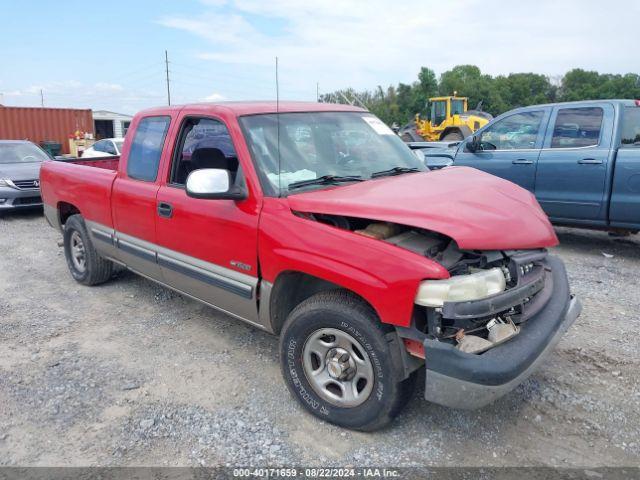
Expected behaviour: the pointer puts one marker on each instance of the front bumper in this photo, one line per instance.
(13, 198)
(462, 380)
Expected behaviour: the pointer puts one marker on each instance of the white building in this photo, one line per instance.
(110, 124)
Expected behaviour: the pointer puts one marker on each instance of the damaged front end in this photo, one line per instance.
(487, 297)
(485, 329)
(482, 331)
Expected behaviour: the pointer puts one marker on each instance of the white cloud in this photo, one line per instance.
(363, 44)
(214, 97)
(76, 94)
(108, 87)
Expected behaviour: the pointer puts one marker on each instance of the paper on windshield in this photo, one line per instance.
(378, 126)
(289, 177)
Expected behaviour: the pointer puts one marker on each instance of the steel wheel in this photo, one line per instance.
(78, 254)
(337, 367)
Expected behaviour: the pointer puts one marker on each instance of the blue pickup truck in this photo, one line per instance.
(580, 159)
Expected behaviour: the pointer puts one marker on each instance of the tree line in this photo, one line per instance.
(399, 104)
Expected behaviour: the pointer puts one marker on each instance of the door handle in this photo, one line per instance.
(590, 161)
(522, 161)
(165, 209)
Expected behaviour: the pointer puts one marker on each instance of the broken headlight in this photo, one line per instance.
(459, 288)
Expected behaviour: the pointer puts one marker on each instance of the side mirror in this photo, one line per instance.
(213, 184)
(473, 145)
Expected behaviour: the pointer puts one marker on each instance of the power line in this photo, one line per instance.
(137, 71)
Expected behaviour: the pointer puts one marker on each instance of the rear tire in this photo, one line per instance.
(337, 361)
(85, 263)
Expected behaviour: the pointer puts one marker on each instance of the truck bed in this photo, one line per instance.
(84, 183)
(109, 163)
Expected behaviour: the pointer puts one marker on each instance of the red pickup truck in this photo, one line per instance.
(316, 223)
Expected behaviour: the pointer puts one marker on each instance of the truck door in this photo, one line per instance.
(624, 210)
(509, 147)
(575, 163)
(208, 248)
(134, 197)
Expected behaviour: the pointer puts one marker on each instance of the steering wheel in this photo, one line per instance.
(29, 156)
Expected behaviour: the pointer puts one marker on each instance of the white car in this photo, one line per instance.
(104, 148)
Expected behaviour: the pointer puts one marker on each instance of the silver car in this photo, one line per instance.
(20, 162)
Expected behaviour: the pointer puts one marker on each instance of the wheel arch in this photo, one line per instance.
(65, 210)
(292, 287)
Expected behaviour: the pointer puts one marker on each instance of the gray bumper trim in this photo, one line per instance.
(456, 393)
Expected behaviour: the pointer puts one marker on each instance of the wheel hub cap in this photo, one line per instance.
(338, 367)
(78, 254)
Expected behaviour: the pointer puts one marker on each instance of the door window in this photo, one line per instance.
(438, 112)
(146, 148)
(577, 127)
(630, 127)
(204, 143)
(515, 132)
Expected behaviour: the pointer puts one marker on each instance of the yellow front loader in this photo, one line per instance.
(449, 120)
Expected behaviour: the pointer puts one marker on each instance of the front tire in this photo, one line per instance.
(85, 263)
(337, 361)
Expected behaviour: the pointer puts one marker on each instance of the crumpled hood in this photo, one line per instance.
(479, 211)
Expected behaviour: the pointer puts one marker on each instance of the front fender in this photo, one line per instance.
(384, 275)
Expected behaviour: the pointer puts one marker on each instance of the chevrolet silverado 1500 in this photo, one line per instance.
(316, 223)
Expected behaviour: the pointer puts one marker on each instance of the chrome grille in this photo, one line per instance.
(27, 184)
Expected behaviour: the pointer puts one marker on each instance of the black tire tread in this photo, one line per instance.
(99, 269)
(403, 388)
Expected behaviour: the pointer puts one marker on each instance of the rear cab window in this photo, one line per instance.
(146, 148)
(577, 127)
(630, 136)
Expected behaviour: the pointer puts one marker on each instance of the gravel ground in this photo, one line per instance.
(129, 373)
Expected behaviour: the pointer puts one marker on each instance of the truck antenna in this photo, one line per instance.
(278, 127)
(166, 65)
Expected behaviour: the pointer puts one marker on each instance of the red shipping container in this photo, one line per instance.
(40, 124)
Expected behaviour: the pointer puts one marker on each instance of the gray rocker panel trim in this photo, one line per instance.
(109, 242)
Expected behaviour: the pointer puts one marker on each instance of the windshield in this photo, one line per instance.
(21, 153)
(318, 144)
(457, 107)
(118, 144)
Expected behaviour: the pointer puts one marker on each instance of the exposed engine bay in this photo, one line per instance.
(509, 286)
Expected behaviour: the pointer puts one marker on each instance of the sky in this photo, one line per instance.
(111, 55)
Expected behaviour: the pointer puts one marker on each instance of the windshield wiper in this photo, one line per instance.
(325, 180)
(394, 171)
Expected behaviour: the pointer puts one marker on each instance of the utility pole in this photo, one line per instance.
(41, 98)
(166, 63)
(317, 91)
